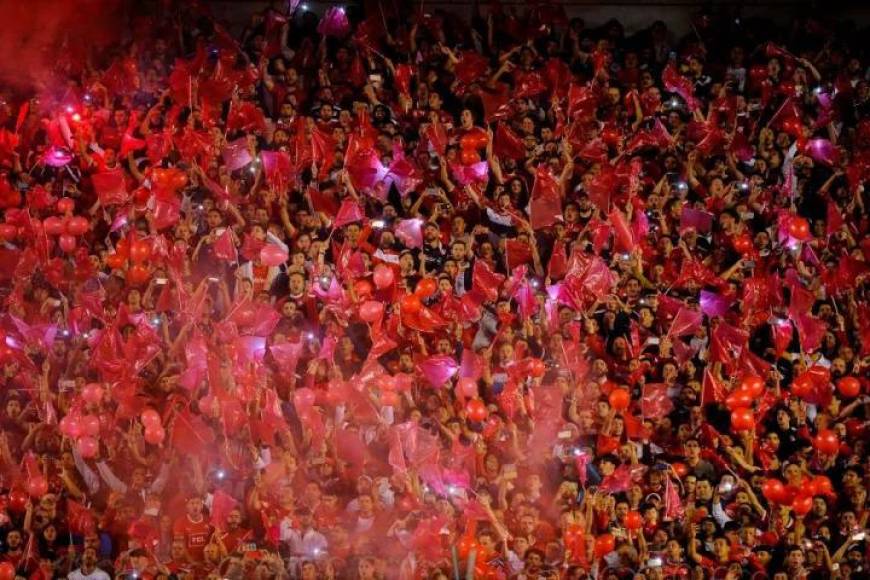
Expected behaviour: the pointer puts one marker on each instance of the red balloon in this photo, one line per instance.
(122, 248)
(141, 195)
(739, 399)
(537, 368)
(7, 571)
(37, 486)
(65, 205)
(78, 226)
(426, 287)
(680, 469)
(8, 232)
(604, 544)
(754, 385)
(474, 139)
(743, 420)
(849, 387)
(140, 251)
(803, 385)
(383, 276)
(476, 410)
(115, 261)
(619, 399)
(773, 490)
(150, 418)
(137, 275)
(90, 425)
(67, 243)
(799, 228)
(823, 485)
(633, 520)
(827, 442)
(802, 504)
(468, 157)
(155, 434)
(53, 225)
(371, 310)
(17, 500)
(743, 243)
(410, 304)
(88, 447)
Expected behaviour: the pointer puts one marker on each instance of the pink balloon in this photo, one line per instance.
(466, 387)
(91, 425)
(150, 418)
(8, 232)
(71, 426)
(78, 226)
(272, 255)
(67, 243)
(371, 310)
(53, 225)
(155, 435)
(383, 276)
(92, 393)
(88, 447)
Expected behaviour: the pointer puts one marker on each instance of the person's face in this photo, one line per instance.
(467, 119)
(213, 219)
(194, 507)
(366, 569)
(13, 539)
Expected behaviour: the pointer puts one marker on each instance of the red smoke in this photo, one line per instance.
(40, 39)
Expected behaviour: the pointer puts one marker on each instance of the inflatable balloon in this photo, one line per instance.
(37, 486)
(88, 447)
(426, 287)
(826, 441)
(150, 418)
(466, 387)
(619, 399)
(383, 276)
(67, 243)
(78, 226)
(849, 387)
(53, 225)
(743, 420)
(476, 410)
(754, 385)
(371, 310)
(155, 434)
(773, 490)
(604, 544)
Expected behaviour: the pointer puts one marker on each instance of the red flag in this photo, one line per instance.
(110, 187)
(546, 203)
(712, 391)
(225, 247)
(507, 144)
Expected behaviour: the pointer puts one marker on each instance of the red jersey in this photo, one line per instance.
(195, 535)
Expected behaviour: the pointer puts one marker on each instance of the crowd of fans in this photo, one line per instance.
(390, 294)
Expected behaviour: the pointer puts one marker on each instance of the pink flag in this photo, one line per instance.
(713, 304)
(686, 322)
(410, 232)
(236, 154)
(349, 212)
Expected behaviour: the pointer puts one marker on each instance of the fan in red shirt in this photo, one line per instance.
(193, 528)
